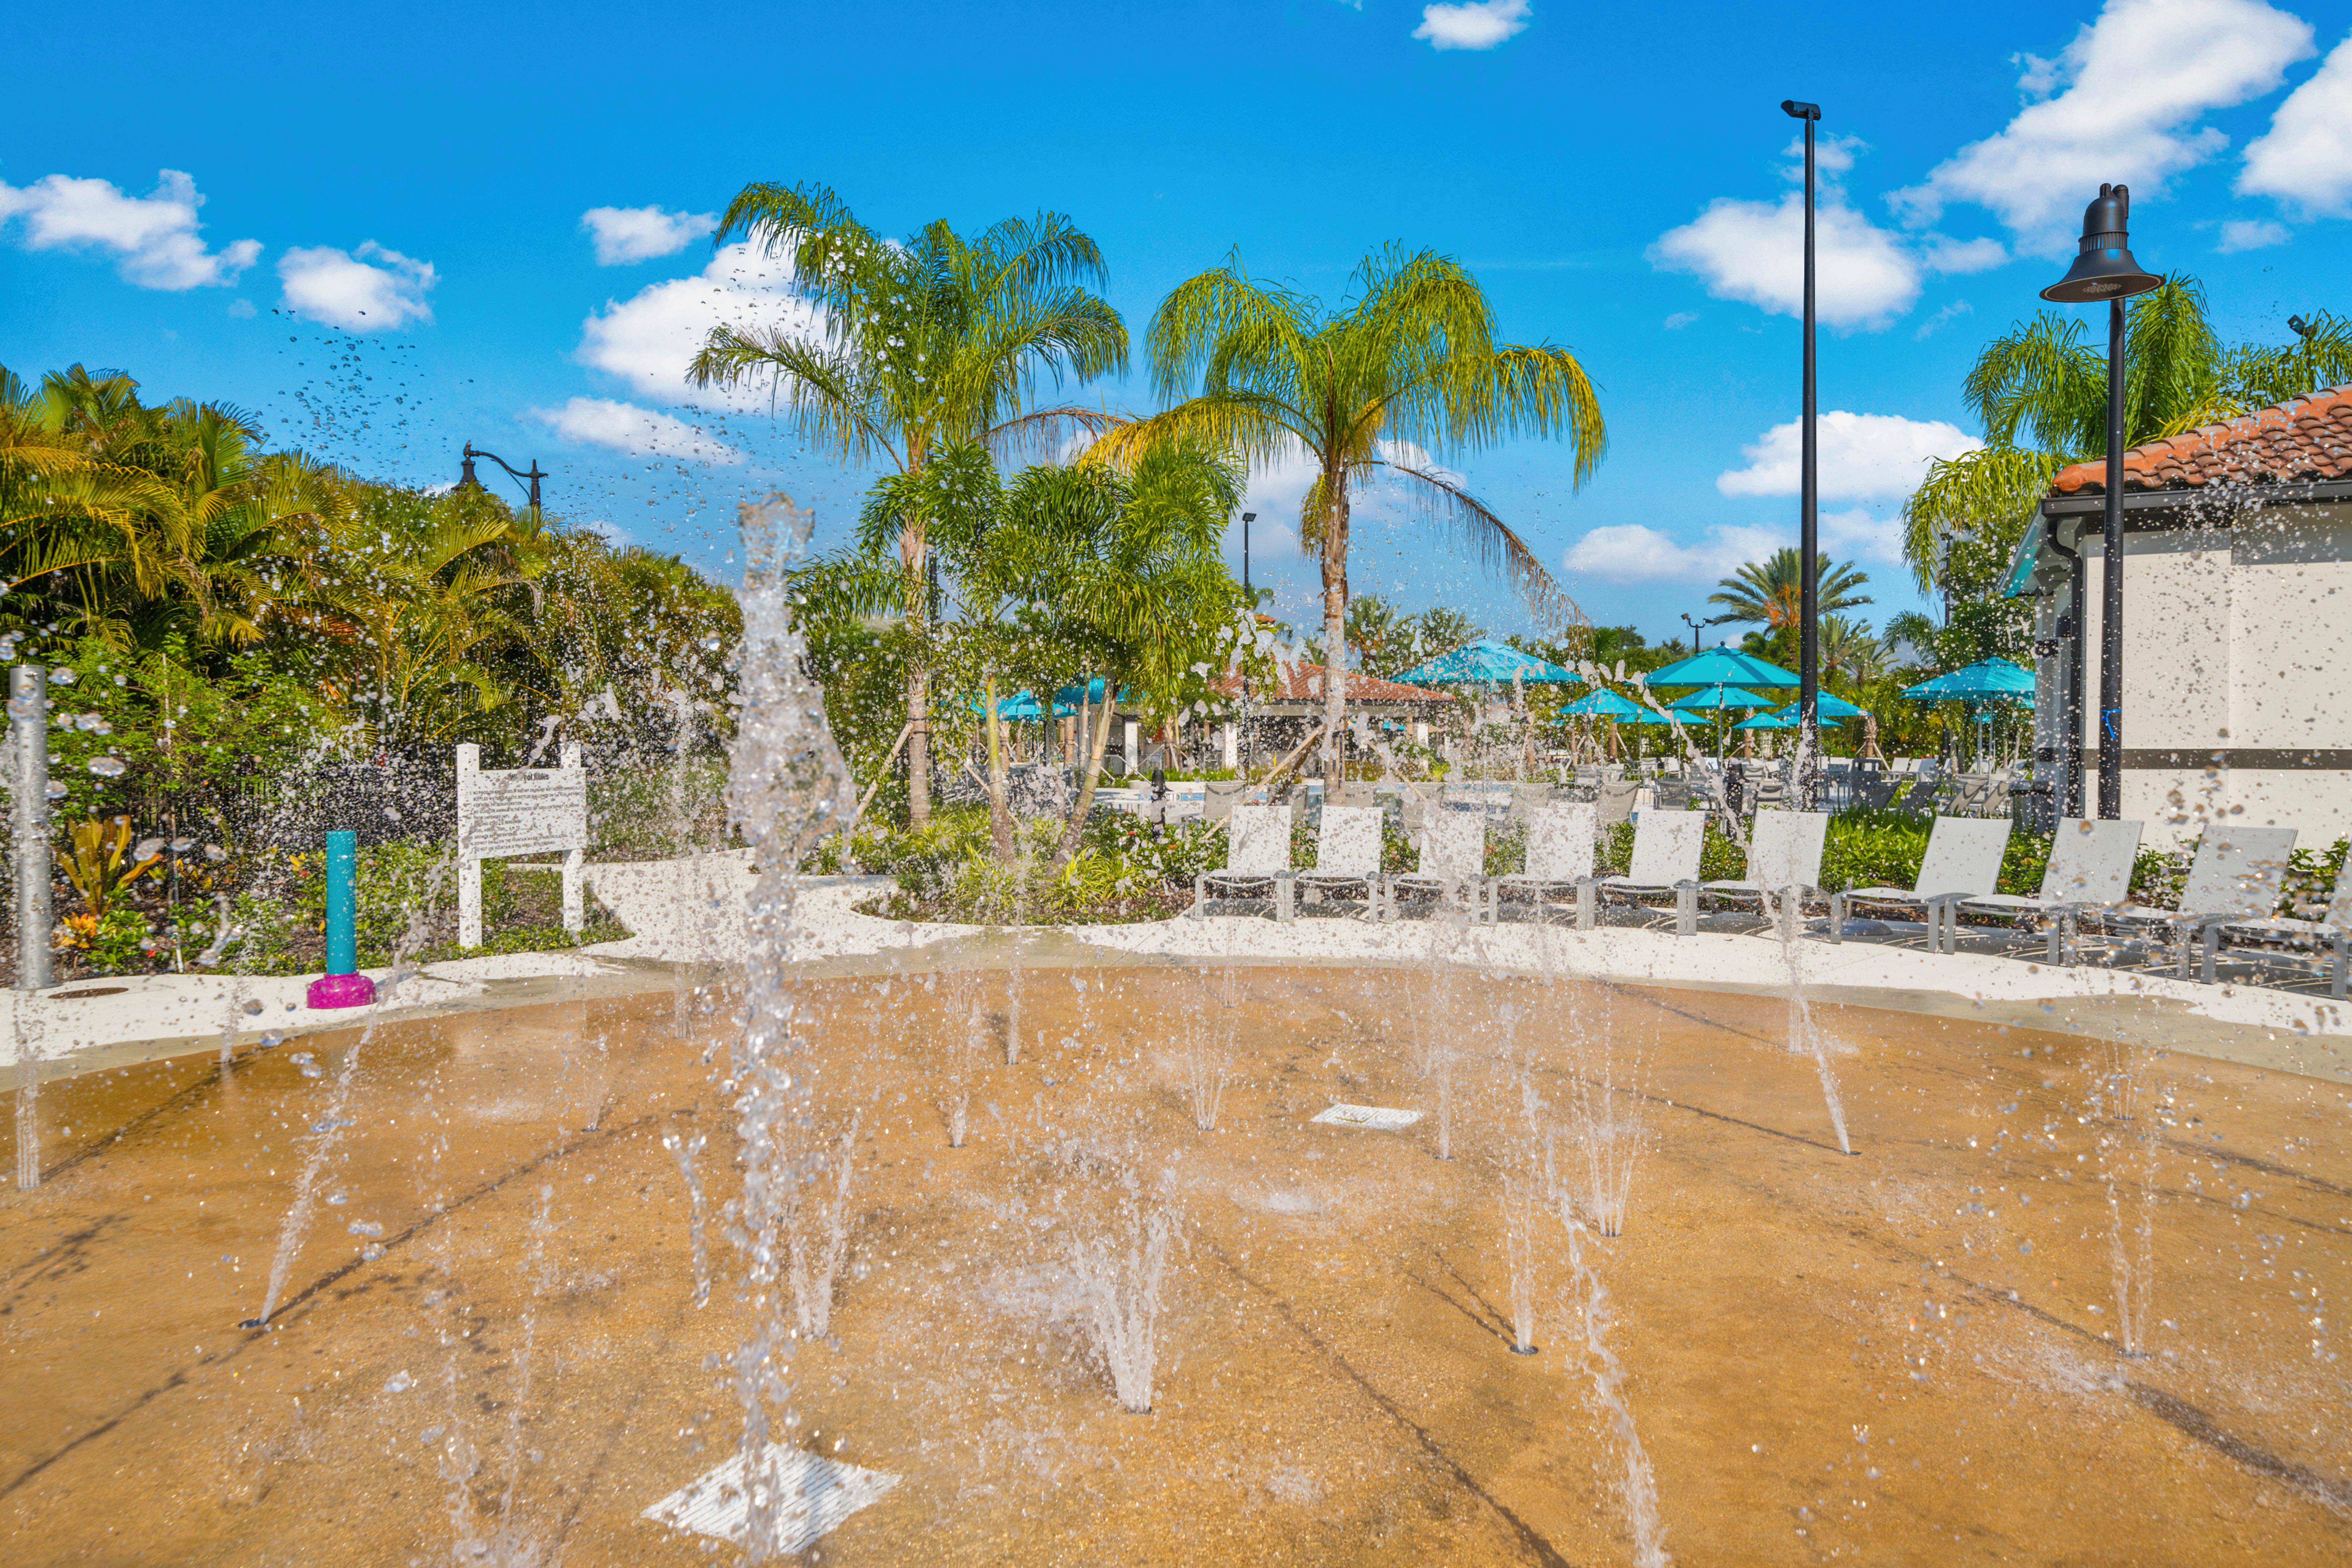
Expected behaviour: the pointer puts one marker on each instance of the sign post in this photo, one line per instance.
(519, 811)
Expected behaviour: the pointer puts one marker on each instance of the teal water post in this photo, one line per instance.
(342, 985)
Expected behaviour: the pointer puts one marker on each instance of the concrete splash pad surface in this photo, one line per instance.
(1895, 1357)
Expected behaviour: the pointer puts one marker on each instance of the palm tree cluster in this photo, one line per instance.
(1382, 640)
(926, 344)
(2040, 392)
(936, 342)
(146, 539)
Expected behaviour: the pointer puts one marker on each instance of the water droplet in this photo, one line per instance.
(365, 1227)
(108, 767)
(399, 1382)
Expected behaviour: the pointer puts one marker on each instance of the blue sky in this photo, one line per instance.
(211, 204)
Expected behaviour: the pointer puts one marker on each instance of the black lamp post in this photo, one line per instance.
(2103, 270)
(1247, 517)
(1809, 487)
(466, 479)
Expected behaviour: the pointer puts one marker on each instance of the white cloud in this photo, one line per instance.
(1629, 552)
(2305, 157)
(2251, 233)
(641, 432)
(1935, 323)
(155, 236)
(2137, 80)
(1963, 256)
(1862, 457)
(370, 289)
(1864, 536)
(649, 338)
(1478, 24)
(624, 234)
(1867, 275)
(1680, 320)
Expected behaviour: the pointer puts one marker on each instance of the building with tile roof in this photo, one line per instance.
(2237, 691)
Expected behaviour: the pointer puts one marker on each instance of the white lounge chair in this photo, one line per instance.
(2279, 938)
(1257, 860)
(2090, 868)
(1347, 855)
(2233, 880)
(1963, 861)
(1452, 846)
(1667, 848)
(1561, 838)
(1784, 856)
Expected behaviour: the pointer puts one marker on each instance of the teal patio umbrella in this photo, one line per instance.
(1487, 663)
(1988, 679)
(1768, 721)
(1722, 667)
(1828, 705)
(1601, 704)
(1020, 706)
(1715, 700)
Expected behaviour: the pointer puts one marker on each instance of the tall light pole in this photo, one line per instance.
(1809, 507)
(466, 477)
(1247, 517)
(2103, 270)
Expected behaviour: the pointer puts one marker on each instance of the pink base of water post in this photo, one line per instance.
(341, 991)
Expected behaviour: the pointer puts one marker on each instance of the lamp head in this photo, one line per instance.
(2104, 267)
(1795, 111)
(1249, 517)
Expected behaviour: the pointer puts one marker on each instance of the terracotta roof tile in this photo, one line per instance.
(1304, 683)
(2303, 439)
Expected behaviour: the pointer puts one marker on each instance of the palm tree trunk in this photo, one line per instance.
(1095, 747)
(1335, 633)
(1000, 811)
(919, 744)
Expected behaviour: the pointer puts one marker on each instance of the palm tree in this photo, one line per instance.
(1440, 630)
(1406, 375)
(933, 340)
(1771, 594)
(2040, 391)
(1139, 579)
(1850, 651)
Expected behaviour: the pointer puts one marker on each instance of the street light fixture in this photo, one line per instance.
(1247, 517)
(2103, 270)
(468, 480)
(1809, 487)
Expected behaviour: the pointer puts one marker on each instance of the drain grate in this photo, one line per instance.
(1380, 1118)
(813, 1495)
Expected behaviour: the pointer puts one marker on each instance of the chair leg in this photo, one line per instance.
(1685, 908)
(1837, 917)
(1286, 898)
(1588, 902)
(2212, 952)
(2341, 980)
(1199, 900)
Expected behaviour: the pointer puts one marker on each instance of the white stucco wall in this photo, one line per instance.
(2237, 638)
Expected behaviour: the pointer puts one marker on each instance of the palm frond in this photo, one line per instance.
(1498, 550)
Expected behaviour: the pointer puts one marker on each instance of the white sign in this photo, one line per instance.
(1380, 1118)
(519, 811)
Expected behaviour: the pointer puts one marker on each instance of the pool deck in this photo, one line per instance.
(689, 917)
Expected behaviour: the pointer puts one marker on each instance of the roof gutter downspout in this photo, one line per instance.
(2069, 631)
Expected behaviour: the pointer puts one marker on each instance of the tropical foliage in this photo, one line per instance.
(920, 345)
(2040, 393)
(221, 619)
(1399, 378)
